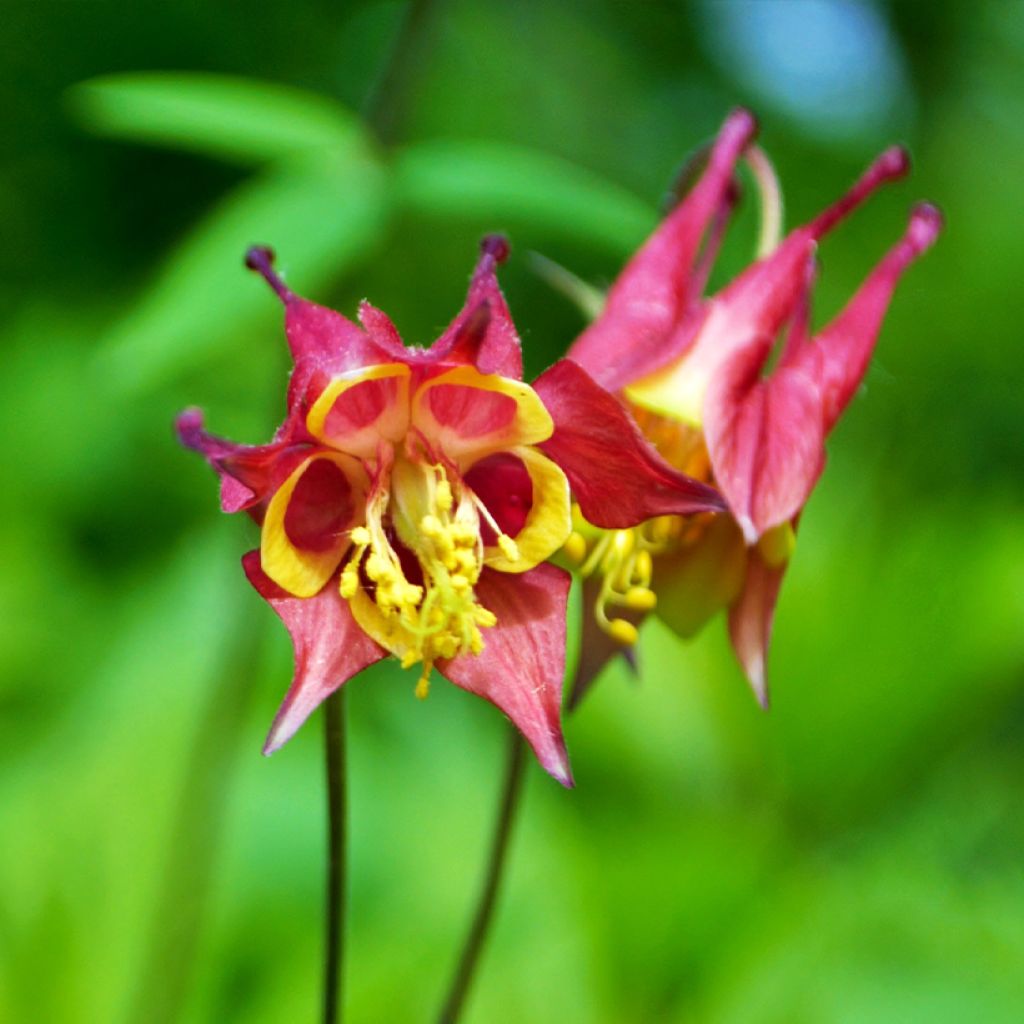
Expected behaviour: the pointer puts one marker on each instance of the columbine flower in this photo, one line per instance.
(693, 371)
(411, 497)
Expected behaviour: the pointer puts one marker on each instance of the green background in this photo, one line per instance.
(855, 855)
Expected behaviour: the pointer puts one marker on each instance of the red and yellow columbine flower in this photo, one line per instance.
(693, 371)
(411, 497)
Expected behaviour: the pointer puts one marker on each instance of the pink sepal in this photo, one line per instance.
(750, 621)
(765, 438)
(644, 322)
(521, 667)
(249, 474)
(766, 435)
(839, 356)
(615, 474)
(330, 648)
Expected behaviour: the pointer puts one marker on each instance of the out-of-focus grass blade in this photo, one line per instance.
(236, 119)
(493, 179)
(321, 216)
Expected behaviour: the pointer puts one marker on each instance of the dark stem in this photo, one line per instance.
(473, 946)
(337, 827)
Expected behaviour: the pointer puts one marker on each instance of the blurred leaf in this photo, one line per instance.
(237, 119)
(491, 179)
(322, 216)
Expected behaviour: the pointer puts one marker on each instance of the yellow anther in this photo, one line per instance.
(378, 569)
(622, 631)
(641, 599)
(444, 495)
(777, 545)
(463, 534)
(575, 548)
(484, 616)
(423, 685)
(623, 542)
(349, 582)
(644, 567)
(431, 526)
(509, 548)
(361, 536)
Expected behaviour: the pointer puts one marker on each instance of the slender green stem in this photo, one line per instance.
(337, 828)
(510, 794)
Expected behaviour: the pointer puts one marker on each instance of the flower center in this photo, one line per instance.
(434, 517)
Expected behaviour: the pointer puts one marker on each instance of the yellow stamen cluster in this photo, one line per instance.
(624, 560)
(624, 557)
(441, 618)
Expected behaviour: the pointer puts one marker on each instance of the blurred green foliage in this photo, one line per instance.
(853, 856)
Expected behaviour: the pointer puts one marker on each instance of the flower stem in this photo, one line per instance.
(510, 794)
(334, 895)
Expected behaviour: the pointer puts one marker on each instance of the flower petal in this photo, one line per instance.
(358, 409)
(329, 648)
(548, 521)
(653, 295)
(765, 438)
(616, 476)
(249, 474)
(521, 667)
(305, 531)
(838, 358)
(756, 305)
(467, 413)
(315, 333)
(751, 617)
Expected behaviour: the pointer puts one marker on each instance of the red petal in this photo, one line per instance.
(651, 297)
(503, 484)
(750, 621)
(616, 476)
(521, 667)
(839, 357)
(770, 293)
(249, 474)
(329, 648)
(765, 438)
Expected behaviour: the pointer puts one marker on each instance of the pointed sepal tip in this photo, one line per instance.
(260, 258)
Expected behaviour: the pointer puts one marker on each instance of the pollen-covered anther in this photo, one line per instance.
(641, 599)
(622, 631)
(509, 548)
(506, 545)
(575, 548)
